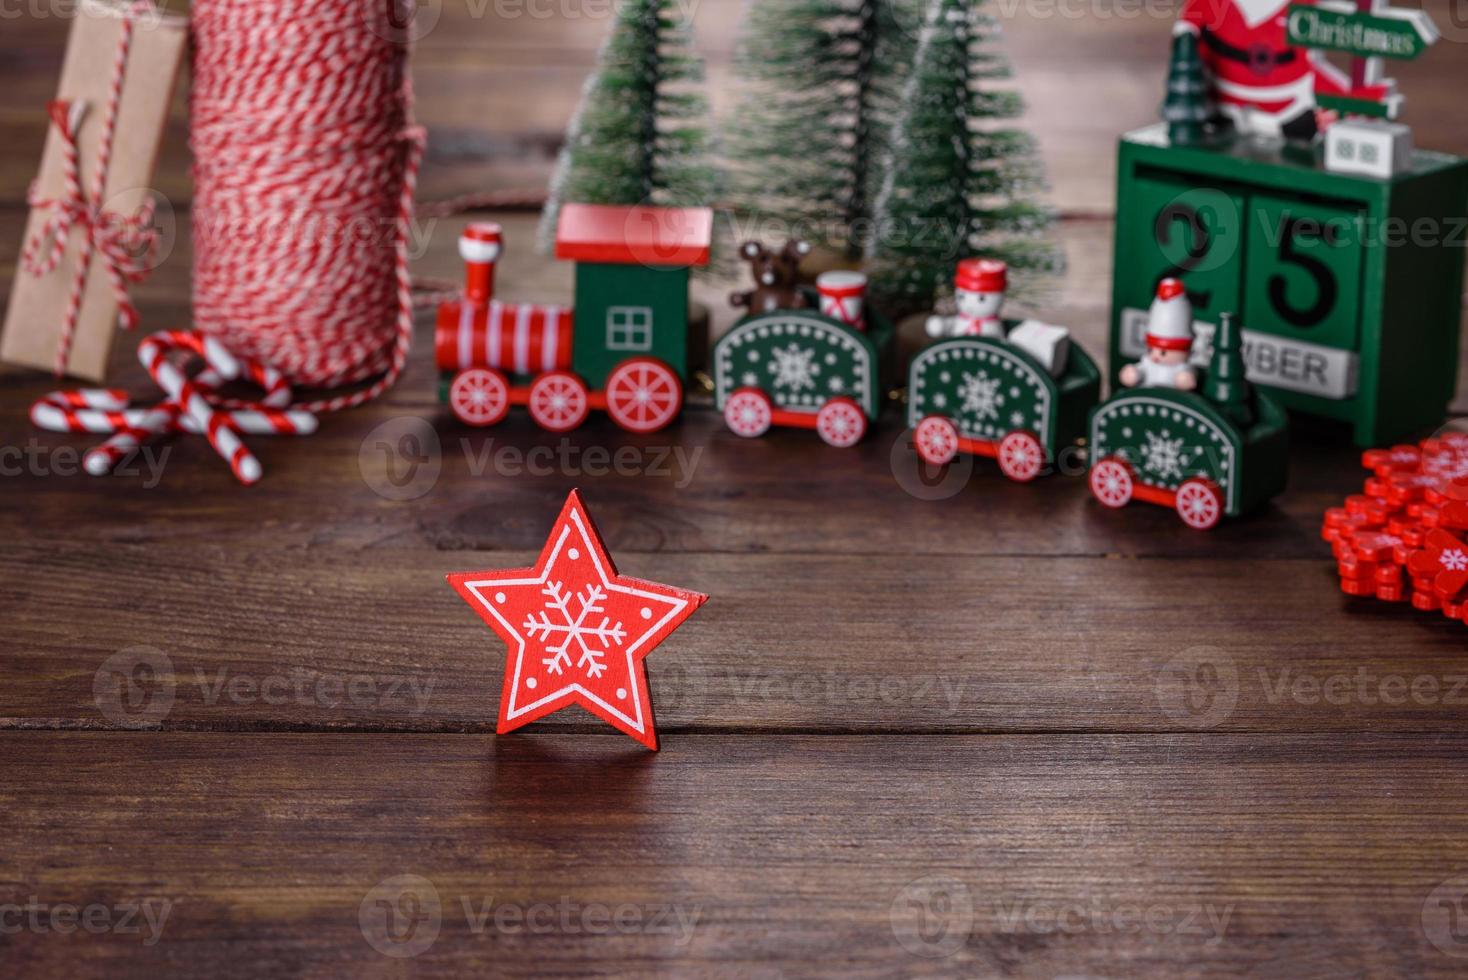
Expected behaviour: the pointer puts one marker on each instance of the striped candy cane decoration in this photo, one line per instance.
(144, 424)
(45, 415)
(247, 421)
(262, 422)
(105, 399)
(152, 352)
(100, 460)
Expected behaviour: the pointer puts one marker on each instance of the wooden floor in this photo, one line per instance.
(968, 729)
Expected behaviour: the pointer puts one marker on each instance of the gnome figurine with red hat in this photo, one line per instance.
(1169, 342)
(978, 288)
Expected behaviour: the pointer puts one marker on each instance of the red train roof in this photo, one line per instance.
(635, 235)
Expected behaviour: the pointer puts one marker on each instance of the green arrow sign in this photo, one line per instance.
(1382, 33)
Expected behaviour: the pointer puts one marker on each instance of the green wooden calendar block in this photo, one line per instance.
(1349, 287)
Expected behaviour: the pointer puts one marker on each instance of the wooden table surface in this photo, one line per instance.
(973, 728)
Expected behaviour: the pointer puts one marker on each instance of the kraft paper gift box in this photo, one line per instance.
(156, 43)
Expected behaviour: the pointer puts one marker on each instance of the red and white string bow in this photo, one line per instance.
(125, 244)
(192, 404)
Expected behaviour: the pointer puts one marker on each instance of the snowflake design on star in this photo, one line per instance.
(1163, 456)
(980, 394)
(1455, 560)
(794, 367)
(574, 629)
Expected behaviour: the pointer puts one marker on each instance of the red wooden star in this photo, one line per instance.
(577, 631)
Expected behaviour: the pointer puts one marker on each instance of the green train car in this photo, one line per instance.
(987, 397)
(1208, 455)
(802, 369)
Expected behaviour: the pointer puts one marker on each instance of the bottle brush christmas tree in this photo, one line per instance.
(1188, 107)
(639, 134)
(809, 136)
(962, 180)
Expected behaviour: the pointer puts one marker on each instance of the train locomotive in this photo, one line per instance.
(623, 347)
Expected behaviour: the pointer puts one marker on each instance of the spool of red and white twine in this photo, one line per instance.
(306, 163)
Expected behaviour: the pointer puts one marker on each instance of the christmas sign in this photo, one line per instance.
(1369, 31)
(578, 632)
(1378, 32)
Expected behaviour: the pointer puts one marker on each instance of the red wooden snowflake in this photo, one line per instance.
(1443, 562)
(577, 631)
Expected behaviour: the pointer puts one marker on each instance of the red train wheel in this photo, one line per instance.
(841, 423)
(1021, 457)
(558, 401)
(643, 394)
(936, 440)
(747, 412)
(479, 396)
(1199, 503)
(1111, 482)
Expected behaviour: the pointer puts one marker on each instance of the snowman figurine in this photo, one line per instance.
(1169, 342)
(978, 288)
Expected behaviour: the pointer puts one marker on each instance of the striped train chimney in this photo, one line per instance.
(480, 246)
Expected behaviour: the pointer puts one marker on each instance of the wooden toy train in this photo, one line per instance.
(988, 397)
(622, 349)
(810, 359)
(1020, 392)
(1214, 453)
(1017, 392)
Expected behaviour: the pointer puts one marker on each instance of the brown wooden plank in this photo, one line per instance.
(1220, 856)
(323, 637)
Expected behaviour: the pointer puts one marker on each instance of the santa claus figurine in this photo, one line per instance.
(1265, 85)
(1169, 342)
(978, 288)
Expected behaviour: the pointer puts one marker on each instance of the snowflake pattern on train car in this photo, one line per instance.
(801, 361)
(1167, 443)
(987, 390)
